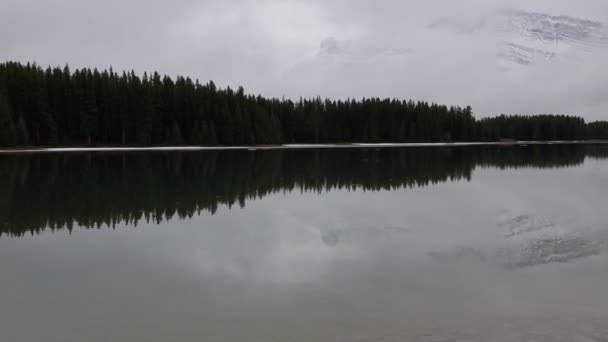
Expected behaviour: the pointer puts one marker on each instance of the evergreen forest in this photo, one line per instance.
(60, 107)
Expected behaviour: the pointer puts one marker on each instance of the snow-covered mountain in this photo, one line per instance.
(497, 61)
(527, 37)
(517, 38)
(353, 51)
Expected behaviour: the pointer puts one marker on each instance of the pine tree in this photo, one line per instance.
(89, 115)
(50, 129)
(87, 107)
(175, 135)
(213, 139)
(8, 133)
(23, 135)
(197, 135)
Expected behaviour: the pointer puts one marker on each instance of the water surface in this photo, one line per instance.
(478, 243)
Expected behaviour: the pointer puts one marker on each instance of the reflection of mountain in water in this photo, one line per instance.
(523, 224)
(530, 242)
(333, 235)
(557, 249)
(45, 191)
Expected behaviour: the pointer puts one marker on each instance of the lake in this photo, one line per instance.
(467, 243)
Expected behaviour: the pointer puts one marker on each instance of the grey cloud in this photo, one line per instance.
(379, 48)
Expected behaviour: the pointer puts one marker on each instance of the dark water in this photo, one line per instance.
(481, 243)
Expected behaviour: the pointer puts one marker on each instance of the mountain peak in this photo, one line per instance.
(532, 37)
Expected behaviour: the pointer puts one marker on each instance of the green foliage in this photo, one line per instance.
(23, 136)
(8, 132)
(49, 129)
(58, 106)
(196, 138)
(598, 130)
(175, 136)
(539, 127)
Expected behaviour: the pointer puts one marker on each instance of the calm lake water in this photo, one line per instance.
(483, 243)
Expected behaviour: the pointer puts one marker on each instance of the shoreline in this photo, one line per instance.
(289, 146)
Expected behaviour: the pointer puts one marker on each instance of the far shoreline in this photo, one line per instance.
(288, 146)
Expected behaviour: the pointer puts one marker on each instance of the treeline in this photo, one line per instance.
(92, 190)
(597, 130)
(60, 107)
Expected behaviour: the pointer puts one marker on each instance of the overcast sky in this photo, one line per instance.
(371, 48)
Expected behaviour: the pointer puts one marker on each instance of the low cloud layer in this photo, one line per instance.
(438, 50)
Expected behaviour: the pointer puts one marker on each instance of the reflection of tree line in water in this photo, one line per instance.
(90, 190)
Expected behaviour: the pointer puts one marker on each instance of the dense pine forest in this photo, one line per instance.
(56, 191)
(60, 107)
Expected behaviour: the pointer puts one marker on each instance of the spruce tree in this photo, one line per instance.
(197, 135)
(8, 134)
(23, 135)
(213, 139)
(175, 135)
(87, 107)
